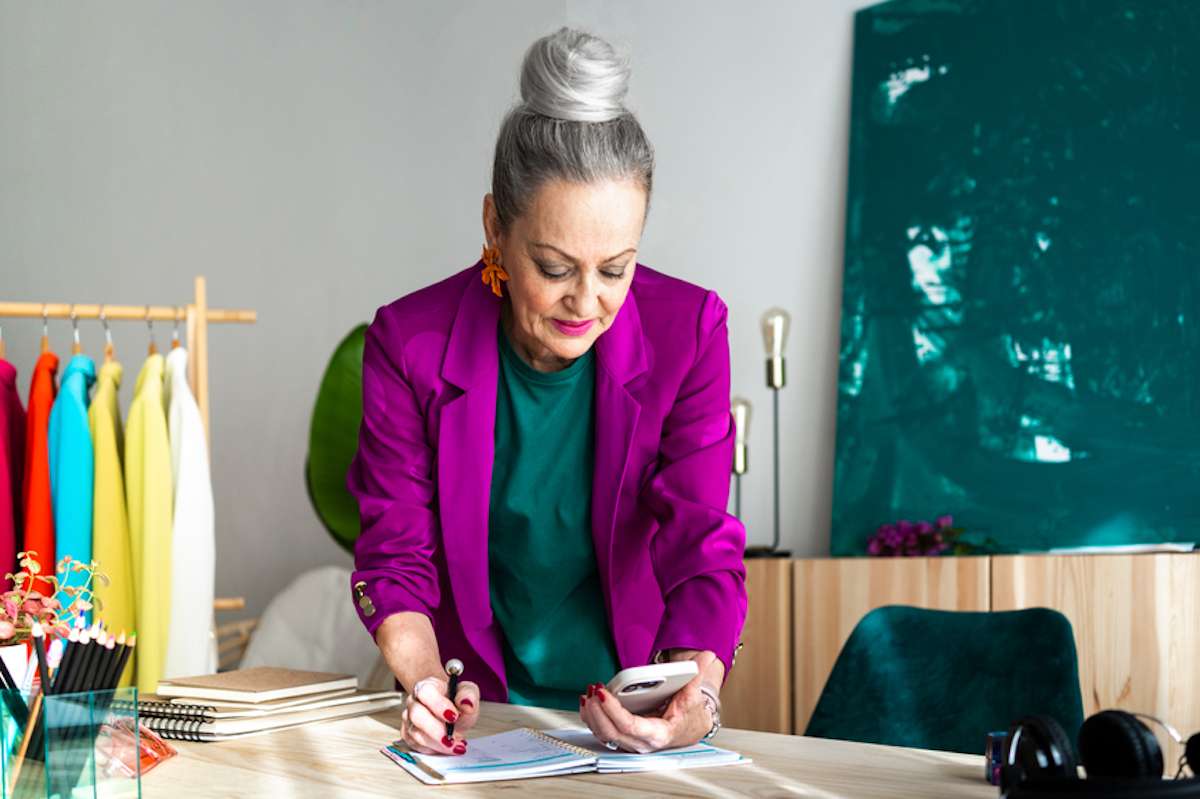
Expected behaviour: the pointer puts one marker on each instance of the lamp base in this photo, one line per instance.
(766, 552)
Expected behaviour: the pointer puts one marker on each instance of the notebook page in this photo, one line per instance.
(694, 756)
(512, 755)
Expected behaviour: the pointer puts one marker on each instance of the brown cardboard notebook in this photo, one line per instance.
(150, 705)
(259, 684)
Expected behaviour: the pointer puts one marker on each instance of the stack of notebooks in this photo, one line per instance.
(524, 753)
(238, 704)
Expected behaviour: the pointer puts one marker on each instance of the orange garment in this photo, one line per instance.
(39, 514)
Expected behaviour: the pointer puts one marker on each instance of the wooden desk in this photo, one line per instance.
(342, 759)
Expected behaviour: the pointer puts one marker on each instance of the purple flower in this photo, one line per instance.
(945, 521)
(904, 526)
(924, 528)
(874, 546)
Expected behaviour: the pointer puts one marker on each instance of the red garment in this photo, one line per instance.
(12, 467)
(39, 515)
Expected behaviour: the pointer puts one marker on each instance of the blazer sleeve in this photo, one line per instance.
(391, 477)
(698, 549)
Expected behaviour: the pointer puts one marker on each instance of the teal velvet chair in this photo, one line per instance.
(939, 679)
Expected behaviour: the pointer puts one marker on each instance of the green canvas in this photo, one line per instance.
(1019, 343)
(939, 679)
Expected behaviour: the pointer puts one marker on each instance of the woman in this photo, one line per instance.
(544, 457)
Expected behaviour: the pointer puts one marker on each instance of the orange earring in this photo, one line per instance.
(493, 272)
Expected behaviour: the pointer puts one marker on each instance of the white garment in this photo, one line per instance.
(192, 642)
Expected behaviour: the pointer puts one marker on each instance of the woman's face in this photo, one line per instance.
(570, 260)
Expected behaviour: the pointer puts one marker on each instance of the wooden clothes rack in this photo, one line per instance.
(197, 314)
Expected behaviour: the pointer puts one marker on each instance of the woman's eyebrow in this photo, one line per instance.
(571, 258)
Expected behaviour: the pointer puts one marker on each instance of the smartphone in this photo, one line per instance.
(644, 688)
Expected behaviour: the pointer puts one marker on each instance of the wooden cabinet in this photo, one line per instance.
(1136, 620)
(758, 693)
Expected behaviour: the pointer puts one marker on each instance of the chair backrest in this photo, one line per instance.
(939, 679)
(333, 439)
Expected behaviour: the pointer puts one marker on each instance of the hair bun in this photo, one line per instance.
(574, 76)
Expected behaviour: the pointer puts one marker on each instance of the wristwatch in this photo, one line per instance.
(713, 703)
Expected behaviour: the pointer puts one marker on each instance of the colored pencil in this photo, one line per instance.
(39, 646)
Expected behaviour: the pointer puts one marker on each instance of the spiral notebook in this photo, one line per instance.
(525, 753)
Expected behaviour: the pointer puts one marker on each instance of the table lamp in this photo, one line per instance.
(741, 430)
(775, 324)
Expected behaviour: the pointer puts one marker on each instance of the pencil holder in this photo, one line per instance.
(70, 746)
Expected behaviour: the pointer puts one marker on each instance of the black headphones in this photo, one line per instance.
(1120, 754)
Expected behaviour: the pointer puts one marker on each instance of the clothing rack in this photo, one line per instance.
(197, 314)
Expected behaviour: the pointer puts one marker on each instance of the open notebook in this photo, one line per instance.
(524, 753)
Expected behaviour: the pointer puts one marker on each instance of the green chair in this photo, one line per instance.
(938, 679)
(333, 440)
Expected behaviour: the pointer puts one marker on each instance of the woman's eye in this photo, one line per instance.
(617, 275)
(551, 272)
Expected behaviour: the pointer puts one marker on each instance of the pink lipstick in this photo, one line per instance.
(573, 328)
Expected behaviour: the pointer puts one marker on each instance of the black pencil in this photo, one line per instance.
(39, 646)
(68, 660)
(124, 658)
(70, 680)
(110, 676)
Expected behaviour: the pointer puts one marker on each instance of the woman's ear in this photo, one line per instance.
(491, 222)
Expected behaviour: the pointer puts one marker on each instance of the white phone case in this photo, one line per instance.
(644, 688)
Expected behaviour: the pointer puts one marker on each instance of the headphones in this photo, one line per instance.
(1120, 754)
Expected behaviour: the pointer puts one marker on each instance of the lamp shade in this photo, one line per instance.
(775, 324)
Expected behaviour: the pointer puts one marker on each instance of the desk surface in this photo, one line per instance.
(342, 759)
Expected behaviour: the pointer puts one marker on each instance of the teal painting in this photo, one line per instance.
(1019, 339)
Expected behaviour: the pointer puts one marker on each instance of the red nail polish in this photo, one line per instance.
(447, 741)
(467, 703)
(450, 715)
(582, 700)
(591, 690)
(600, 693)
(460, 750)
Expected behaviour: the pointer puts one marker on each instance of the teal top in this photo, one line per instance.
(544, 585)
(71, 468)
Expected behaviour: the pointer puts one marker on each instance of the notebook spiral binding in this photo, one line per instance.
(167, 710)
(178, 729)
(550, 739)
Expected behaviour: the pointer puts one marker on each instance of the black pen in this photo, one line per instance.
(454, 668)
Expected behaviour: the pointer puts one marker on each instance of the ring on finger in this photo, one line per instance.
(613, 745)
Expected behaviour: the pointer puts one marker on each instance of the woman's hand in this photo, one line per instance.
(683, 721)
(426, 710)
(410, 648)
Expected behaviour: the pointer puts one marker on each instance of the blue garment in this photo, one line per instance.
(72, 465)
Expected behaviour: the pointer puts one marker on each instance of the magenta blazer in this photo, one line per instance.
(669, 556)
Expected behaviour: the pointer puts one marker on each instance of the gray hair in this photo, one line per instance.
(571, 123)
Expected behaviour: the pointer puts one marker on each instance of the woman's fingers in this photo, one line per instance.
(430, 731)
(601, 726)
(653, 733)
(467, 702)
(432, 694)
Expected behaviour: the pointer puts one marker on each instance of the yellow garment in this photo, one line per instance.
(149, 498)
(110, 524)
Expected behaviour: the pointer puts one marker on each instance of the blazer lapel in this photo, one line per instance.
(466, 446)
(620, 358)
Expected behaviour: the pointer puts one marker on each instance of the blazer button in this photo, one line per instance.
(364, 602)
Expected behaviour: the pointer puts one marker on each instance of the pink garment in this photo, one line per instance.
(670, 557)
(12, 465)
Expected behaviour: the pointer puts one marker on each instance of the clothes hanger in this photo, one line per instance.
(76, 347)
(153, 349)
(45, 330)
(108, 345)
(175, 330)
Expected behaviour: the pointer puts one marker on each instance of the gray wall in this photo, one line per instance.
(317, 159)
